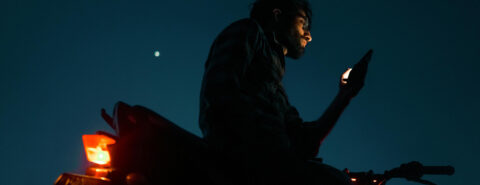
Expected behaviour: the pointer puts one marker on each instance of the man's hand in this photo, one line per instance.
(353, 80)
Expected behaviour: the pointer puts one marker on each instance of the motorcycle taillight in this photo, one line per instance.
(96, 149)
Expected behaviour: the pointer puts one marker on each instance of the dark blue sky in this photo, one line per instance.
(62, 61)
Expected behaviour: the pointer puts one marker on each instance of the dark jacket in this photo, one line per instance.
(245, 115)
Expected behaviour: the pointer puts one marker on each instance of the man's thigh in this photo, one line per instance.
(317, 173)
(301, 173)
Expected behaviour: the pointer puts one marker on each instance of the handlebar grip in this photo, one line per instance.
(438, 170)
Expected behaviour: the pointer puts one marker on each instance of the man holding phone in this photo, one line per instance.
(245, 115)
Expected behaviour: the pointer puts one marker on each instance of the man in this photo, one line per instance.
(245, 115)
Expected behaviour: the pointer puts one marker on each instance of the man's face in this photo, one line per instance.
(295, 34)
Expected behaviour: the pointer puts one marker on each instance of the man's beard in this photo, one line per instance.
(291, 39)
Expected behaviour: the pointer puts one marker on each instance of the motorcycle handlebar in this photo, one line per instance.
(438, 170)
(412, 171)
(415, 169)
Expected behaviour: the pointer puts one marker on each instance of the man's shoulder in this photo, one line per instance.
(246, 23)
(243, 28)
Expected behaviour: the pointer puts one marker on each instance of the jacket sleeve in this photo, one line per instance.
(306, 137)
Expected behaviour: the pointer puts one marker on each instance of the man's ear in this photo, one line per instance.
(276, 13)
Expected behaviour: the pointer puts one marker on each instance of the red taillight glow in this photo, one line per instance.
(96, 148)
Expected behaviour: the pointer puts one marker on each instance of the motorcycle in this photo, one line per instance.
(149, 149)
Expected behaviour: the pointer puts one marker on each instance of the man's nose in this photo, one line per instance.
(308, 36)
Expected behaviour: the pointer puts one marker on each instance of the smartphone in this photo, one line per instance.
(345, 75)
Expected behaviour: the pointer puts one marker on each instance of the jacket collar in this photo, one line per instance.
(272, 39)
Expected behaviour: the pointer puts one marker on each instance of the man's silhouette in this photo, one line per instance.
(245, 115)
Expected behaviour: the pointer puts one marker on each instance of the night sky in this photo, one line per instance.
(62, 61)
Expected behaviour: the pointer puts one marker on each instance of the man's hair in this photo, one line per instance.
(262, 10)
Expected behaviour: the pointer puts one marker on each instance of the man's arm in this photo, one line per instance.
(309, 135)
